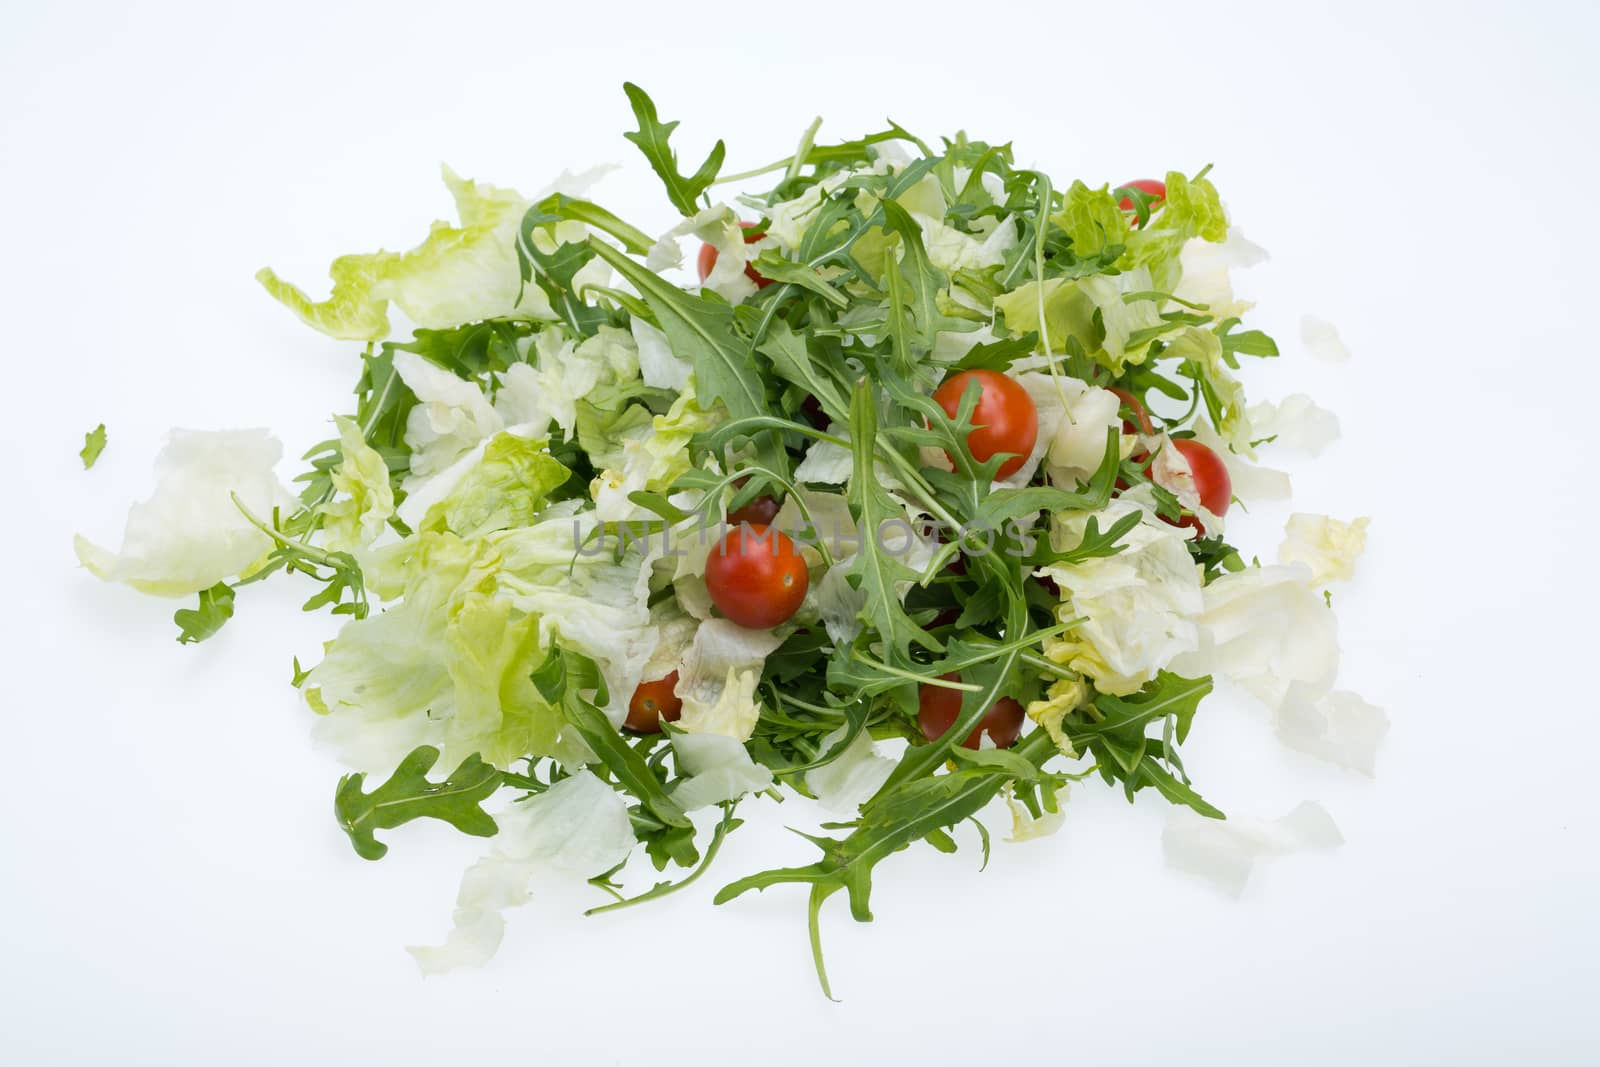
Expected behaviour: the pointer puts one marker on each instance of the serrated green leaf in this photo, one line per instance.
(204, 620)
(653, 136)
(408, 795)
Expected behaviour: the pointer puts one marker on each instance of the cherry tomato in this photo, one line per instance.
(652, 702)
(1211, 480)
(1148, 186)
(939, 707)
(758, 512)
(708, 258)
(1005, 419)
(756, 577)
(1135, 405)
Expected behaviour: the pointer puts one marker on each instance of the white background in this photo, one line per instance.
(174, 887)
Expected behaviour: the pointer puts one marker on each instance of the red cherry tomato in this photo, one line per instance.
(759, 512)
(1005, 419)
(1148, 186)
(1135, 405)
(652, 702)
(708, 258)
(756, 577)
(1211, 480)
(939, 707)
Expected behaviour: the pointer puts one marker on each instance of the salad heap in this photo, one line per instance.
(914, 499)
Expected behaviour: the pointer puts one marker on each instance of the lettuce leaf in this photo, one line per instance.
(505, 489)
(189, 535)
(461, 273)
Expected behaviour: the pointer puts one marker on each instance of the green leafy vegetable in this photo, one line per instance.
(517, 519)
(652, 137)
(94, 443)
(408, 795)
(200, 622)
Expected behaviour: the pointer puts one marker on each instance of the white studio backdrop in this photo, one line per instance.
(175, 890)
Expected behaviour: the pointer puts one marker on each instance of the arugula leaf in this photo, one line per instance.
(338, 572)
(913, 810)
(700, 328)
(794, 362)
(1113, 730)
(922, 279)
(198, 623)
(652, 137)
(408, 794)
(560, 680)
(94, 443)
(878, 570)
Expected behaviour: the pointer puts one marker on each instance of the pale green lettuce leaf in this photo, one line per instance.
(355, 517)
(451, 418)
(461, 273)
(1326, 545)
(491, 651)
(591, 603)
(189, 535)
(384, 682)
(1091, 218)
(1224, 852)
(841, 786)
(1205, 272)
(1266, 628)
(1202, 350)
(653, 456)
(719, 769)
(578, 826)
(1139, 605)
(717, 683)
(1337, 726)
(505, 489)
(659, 365)
(1295, 422)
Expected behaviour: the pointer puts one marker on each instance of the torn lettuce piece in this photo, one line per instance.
(845, 784)
(579, 827)
(1339, 726)
(1025, 826)
(1322, 340)
(1295, 422)
(451, 418)
(1225, 852)
(190, 535)
(1326, 545)
(1138, 605)
(364, 500)
(719, 769)
(1266, 628)
(505, 489)
(461, 273)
